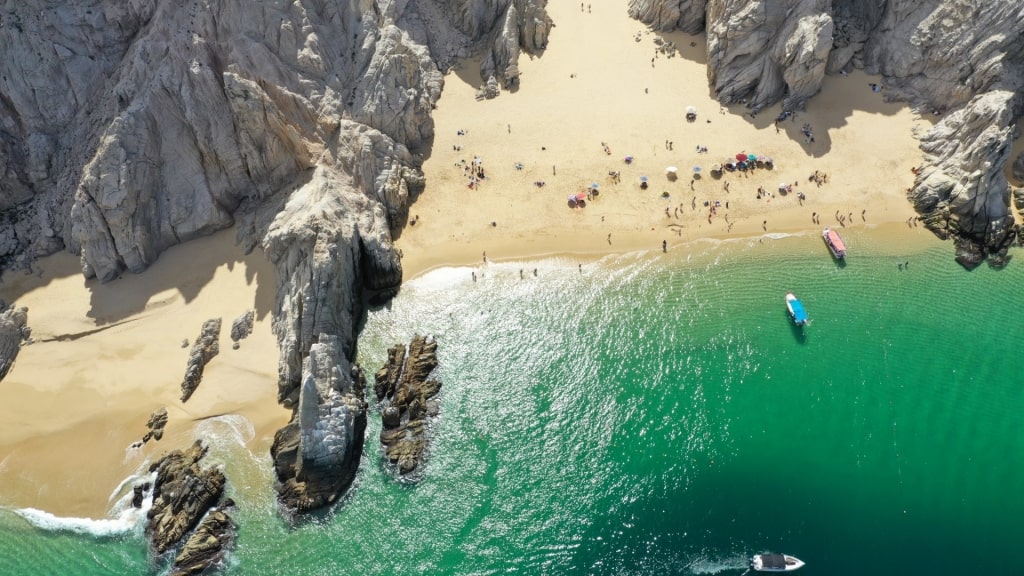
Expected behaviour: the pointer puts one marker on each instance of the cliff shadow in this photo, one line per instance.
(185, 271)
(678, 44)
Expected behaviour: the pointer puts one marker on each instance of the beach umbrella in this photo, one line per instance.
(643, 178)
(716, 168)
(696, 169)
(741, 157)
(594, 185)
(581, 196)
(691, 110)
(671, 169)
(752, 157)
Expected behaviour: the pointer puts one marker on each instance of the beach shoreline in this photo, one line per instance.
(71, 410)
(604, 93)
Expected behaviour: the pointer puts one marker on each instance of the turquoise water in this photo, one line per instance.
(659, 414)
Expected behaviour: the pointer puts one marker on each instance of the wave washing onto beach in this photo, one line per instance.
(124, 518)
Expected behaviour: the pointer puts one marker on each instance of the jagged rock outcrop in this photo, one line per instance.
(242, 327)
(206, 548)
(955, 191)
(13, 331)
(156, 423)
(685, 15)
(182, 494)
(763, 51)
(505, 28)
(205, 348)
(317, 454)
(408, 394)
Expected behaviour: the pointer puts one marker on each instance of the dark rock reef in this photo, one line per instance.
(407, 393)
(182, 493)
(208, 545)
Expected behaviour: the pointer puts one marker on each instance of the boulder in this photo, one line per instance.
(157, 422)
(204, 349)
(182, 493)
(242, 326)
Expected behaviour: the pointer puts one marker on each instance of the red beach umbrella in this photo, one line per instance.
(741, 157)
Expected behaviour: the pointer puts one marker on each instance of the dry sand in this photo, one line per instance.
(70, 409)
(75, 401)
(595, 83)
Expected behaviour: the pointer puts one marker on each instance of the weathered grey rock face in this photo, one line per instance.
(764, 51)
(13, 330)
(316, 456)
(685, 15)
(941, 55)
(956, 190)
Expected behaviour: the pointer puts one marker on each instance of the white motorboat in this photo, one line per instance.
(775, 563)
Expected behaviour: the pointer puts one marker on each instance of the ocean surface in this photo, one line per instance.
(660, 414)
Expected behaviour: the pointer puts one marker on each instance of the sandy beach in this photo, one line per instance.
(106, 356)
(596, 83)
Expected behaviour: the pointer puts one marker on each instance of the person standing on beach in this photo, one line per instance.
(664, 246)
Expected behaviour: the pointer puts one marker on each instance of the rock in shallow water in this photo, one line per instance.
(182, 493)
(403, 384)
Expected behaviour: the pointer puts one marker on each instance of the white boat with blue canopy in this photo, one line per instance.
(796, 310)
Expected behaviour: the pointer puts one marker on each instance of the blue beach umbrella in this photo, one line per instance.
(696, 169)
(594, 185)
(643, 178)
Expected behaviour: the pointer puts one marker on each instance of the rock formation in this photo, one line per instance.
(182, 494)
(317, 454)
(13, 330)
(242, 327)
(157, 422)
(408, 399)
(207, 546)
(204, 349)
(940, 55)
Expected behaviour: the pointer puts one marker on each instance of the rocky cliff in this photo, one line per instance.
(963, 58)
(128, 127)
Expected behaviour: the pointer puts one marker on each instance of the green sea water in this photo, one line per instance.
(660, 414)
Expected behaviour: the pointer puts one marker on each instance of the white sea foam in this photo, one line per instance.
(716, 566)
(124, 519)
(124, 523)
(220, 430)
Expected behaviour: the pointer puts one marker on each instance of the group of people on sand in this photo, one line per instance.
(818, 178)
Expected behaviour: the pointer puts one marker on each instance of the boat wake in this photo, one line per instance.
(719, 565)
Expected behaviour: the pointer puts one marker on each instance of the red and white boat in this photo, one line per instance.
(835, 243)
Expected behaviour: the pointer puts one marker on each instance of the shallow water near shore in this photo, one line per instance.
(659, 414)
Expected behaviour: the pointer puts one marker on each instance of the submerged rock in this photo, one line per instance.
(404, 384)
